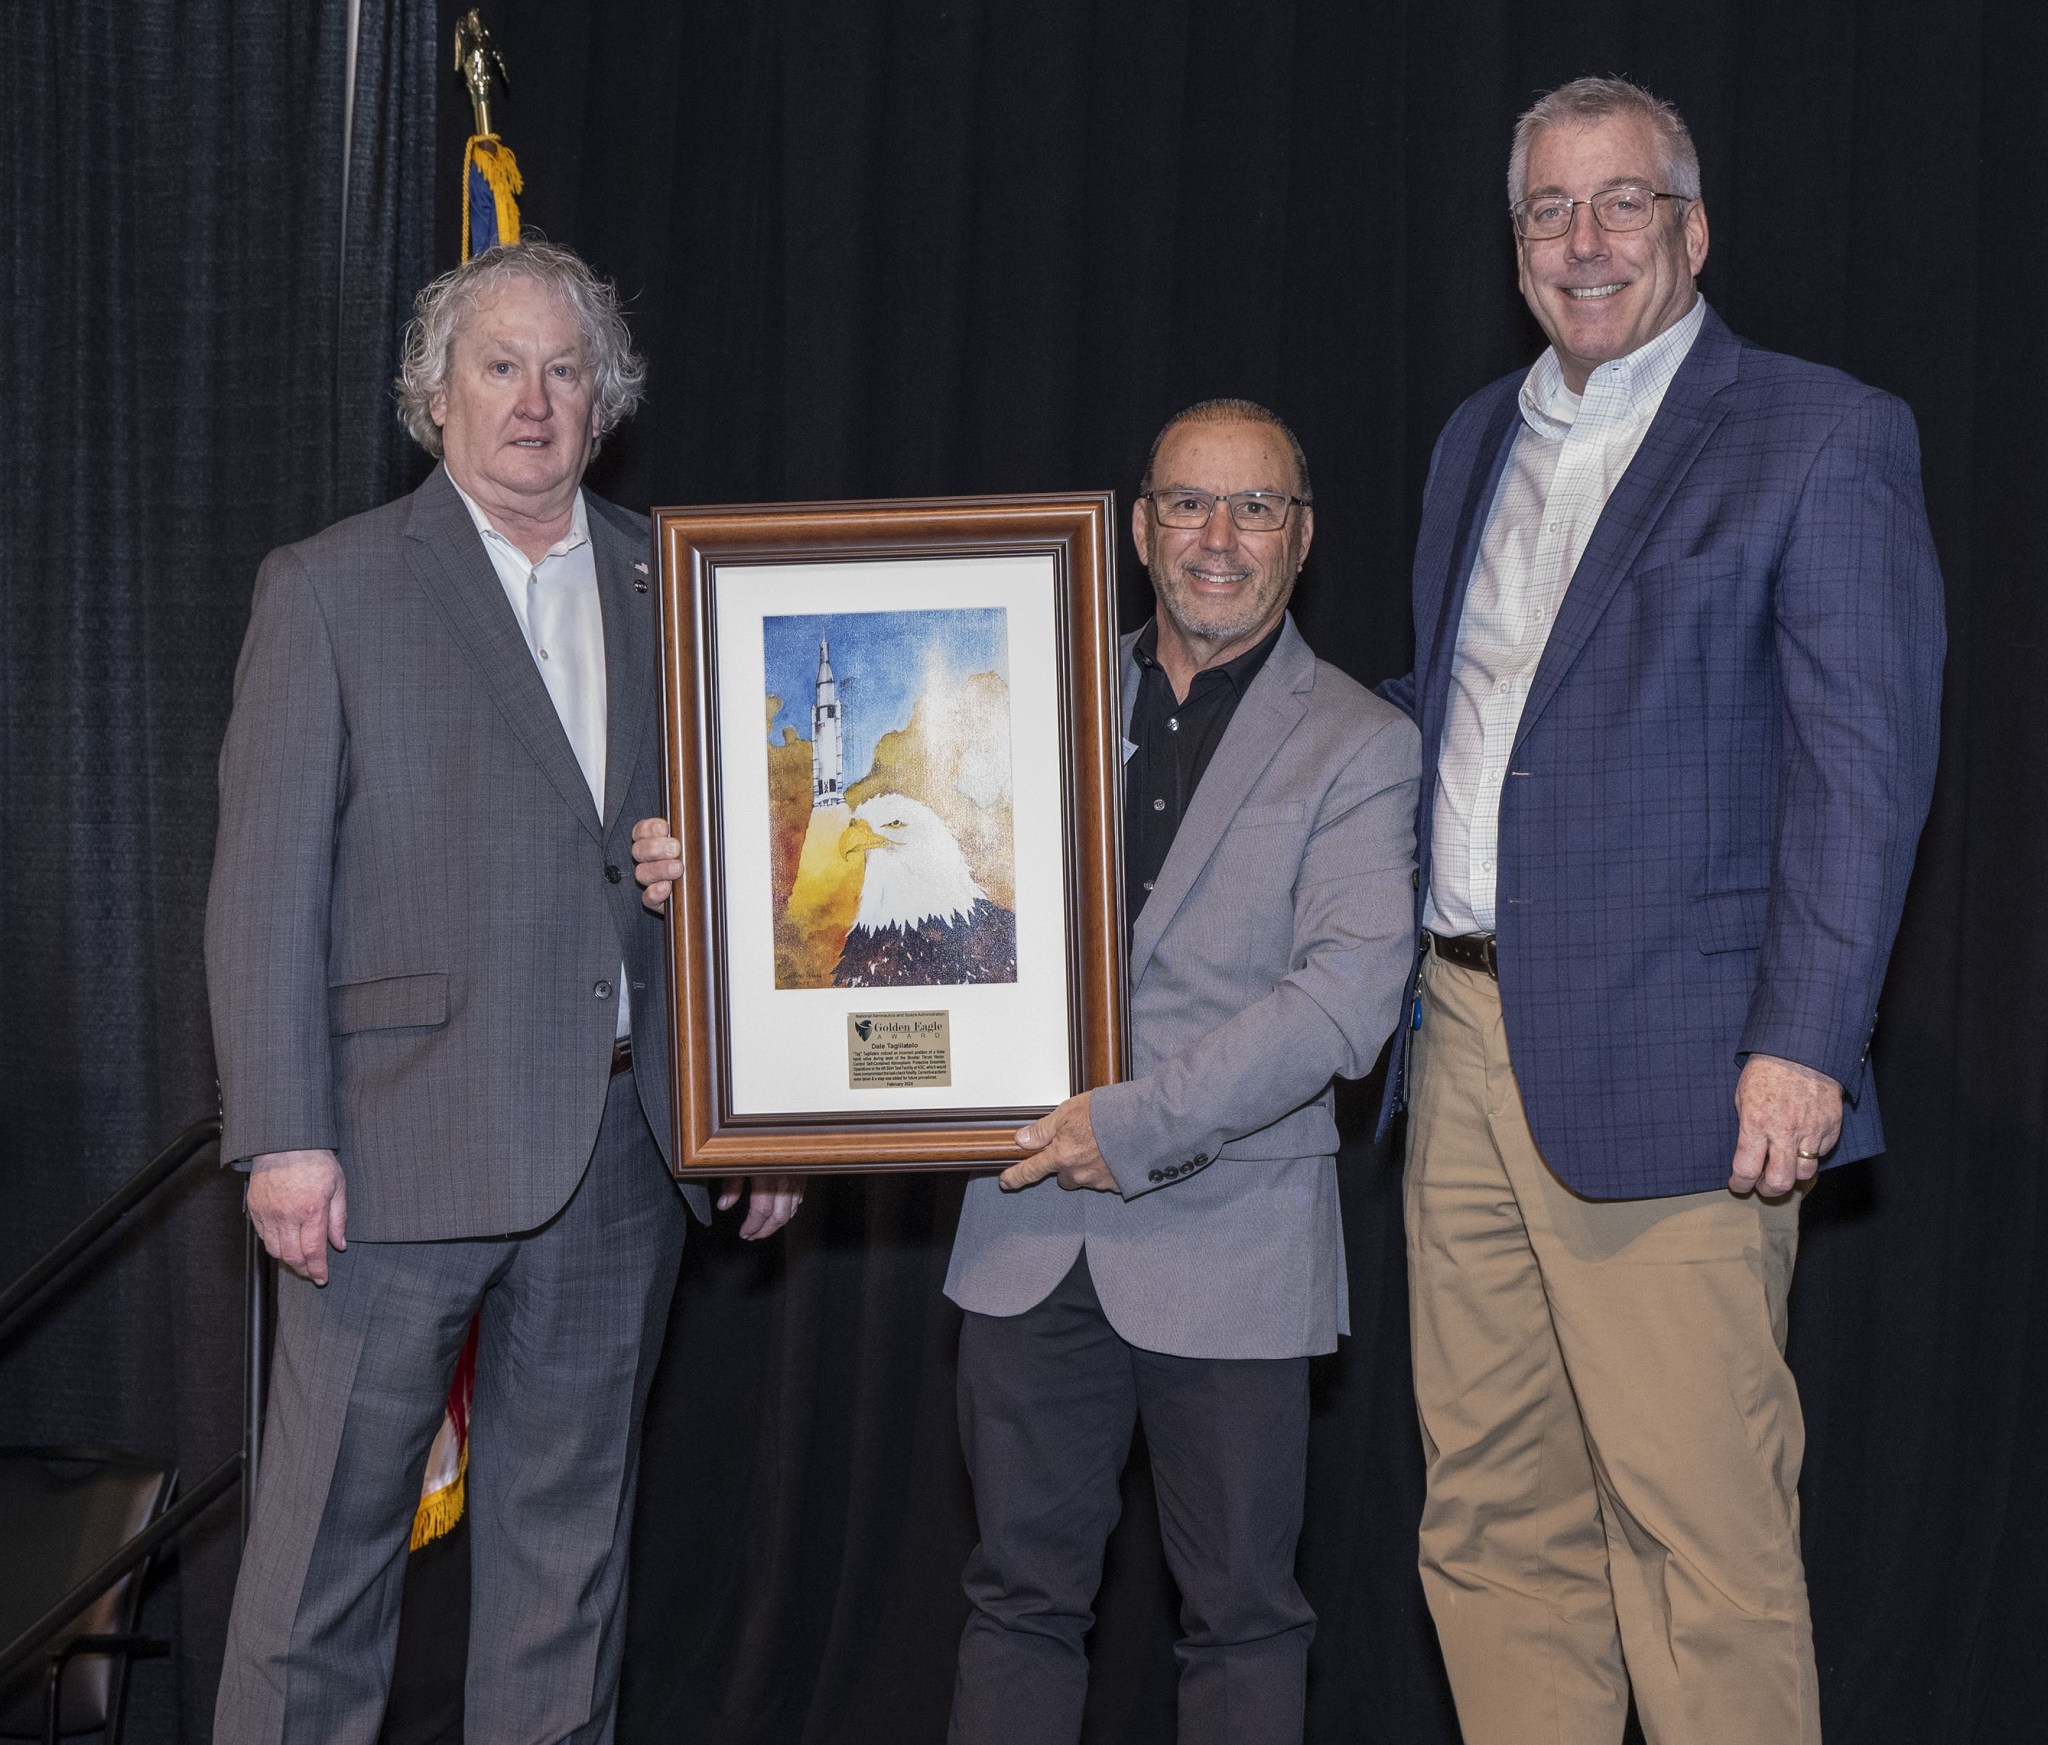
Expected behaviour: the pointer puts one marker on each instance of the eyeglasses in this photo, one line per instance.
(1250, 511)
(1543, 216)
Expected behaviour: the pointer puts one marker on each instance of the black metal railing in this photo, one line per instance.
(238, 1468)
(144, 1182)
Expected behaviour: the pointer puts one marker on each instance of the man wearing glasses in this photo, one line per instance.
(1268, 862)
(1677, 670)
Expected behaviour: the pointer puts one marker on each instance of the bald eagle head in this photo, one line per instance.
(915, 870)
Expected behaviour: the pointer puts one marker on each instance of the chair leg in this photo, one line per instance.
(123, 1649)
(53, 1695)
(117, 1700)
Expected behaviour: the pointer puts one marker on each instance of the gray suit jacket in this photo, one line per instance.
(417, 916)
(1270, 957)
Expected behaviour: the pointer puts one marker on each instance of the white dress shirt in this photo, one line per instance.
(557, 606)
(1568, 456)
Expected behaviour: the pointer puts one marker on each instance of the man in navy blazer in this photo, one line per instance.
(1678, 650)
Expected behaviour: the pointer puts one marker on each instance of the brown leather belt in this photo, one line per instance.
(1466, 950)
(622, 1056)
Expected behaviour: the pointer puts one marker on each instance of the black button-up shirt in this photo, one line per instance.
(1175, 741)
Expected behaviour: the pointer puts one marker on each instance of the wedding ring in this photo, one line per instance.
(1803, 1152)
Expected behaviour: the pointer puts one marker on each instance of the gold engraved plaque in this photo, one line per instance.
(898, 1050)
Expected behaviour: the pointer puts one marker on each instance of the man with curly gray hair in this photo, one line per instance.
(440, 1021)
(618, 374)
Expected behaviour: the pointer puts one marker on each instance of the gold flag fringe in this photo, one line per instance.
(500, 170)
(440, 1510)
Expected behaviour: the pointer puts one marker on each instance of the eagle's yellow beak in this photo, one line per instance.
(860, 836)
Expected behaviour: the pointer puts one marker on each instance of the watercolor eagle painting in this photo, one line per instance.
(891, 840)
(923, 922)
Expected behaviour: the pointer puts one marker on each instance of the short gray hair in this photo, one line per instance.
(1230, 411)
(618, 373)
(1584, 102)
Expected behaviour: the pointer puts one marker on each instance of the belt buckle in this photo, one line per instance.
(1473, 951)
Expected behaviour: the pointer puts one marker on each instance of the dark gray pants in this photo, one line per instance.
(1048, 1400)
(572, 1322)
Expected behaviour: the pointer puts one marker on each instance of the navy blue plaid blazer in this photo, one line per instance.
(1723, 766)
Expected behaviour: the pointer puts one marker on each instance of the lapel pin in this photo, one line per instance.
(640, 578)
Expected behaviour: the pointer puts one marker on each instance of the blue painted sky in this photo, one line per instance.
(886, 655)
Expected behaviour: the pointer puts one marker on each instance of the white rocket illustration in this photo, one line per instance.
(828, 744)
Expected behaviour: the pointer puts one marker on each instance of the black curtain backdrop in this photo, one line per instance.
(914, 248)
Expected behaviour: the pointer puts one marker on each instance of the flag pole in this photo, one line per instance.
(491, 182)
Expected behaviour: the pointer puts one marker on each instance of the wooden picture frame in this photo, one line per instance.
(806, 917)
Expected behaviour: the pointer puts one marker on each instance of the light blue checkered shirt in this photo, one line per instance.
(1568, 456)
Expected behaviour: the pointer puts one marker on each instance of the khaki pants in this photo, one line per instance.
(1612, 1436)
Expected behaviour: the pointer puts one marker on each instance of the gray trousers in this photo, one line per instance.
(1048, 1400)
(572, 1318)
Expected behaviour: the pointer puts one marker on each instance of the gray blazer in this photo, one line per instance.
(417, 916)
(1270, 957)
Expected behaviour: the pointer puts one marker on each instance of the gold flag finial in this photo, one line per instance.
(476, 59)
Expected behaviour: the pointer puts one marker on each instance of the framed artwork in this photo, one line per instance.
(893, 746)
